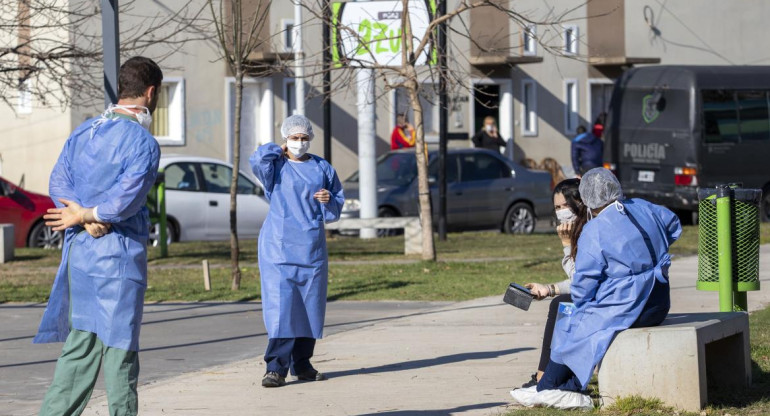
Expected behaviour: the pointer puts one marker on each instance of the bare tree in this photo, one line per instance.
(416, 66)
(240, 27)
(51, 50)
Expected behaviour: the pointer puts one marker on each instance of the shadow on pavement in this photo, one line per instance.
(428, 362)
(358, 289)
(437, 412)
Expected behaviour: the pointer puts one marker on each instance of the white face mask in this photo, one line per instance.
(489, 127)
(565, 215)
(144, 118)
(297, 147)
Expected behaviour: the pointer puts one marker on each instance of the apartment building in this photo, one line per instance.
(540, 78)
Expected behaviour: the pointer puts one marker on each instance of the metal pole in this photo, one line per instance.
(299, 59)
(725, 247)
(443, 124)
(162, 222)
(111, 50)
(327, 81)
(367, 168)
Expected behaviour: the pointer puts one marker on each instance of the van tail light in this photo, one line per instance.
(612, 168)
(685, 177)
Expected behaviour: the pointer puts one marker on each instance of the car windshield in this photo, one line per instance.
(394, 169)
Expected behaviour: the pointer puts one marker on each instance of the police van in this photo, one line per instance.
(673, 129)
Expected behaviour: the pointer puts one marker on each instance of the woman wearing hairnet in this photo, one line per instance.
(304, 193)
(620, 282)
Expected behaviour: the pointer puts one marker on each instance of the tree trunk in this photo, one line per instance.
(426, 214)
(234, 248)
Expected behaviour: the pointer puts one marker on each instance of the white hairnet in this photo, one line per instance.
(599, 187)
(296, 124)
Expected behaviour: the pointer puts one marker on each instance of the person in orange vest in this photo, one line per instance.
(403, 135)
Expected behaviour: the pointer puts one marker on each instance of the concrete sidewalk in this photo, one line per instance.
(457, 359)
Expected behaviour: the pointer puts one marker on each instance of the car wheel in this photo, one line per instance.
(154, 239)
(43, 236)
(387, 232)
(520, 219)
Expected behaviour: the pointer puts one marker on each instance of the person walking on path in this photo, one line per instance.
(488, 137)
(100, 185)
(587, 151)
(304, 193)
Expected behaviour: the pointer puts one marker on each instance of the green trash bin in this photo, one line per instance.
(728, 243)
(156, 204)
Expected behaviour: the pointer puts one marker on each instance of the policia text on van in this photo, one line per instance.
(672, 129)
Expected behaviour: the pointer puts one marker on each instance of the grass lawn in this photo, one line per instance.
(359, 269)
(754, 401)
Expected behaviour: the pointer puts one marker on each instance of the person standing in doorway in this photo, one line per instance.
(100, 185)
(304, 193)
(587, 151)
(403, 135)
(488, 137)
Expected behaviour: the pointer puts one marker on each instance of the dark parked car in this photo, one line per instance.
(484, 190)
(25, 211)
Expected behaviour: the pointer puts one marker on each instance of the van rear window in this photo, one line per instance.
(731, 116)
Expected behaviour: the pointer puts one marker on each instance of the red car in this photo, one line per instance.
(25, 211)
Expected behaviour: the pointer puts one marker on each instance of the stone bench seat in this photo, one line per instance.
(410, 225)
(680, 360)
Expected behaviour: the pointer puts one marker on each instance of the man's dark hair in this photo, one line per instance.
(581, 130)
(136, 75)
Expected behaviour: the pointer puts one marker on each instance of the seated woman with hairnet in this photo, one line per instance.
(620, 282)
(304, 193)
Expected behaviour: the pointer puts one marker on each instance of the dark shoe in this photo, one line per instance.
(311, 375)
(531, 382)
(273, 379)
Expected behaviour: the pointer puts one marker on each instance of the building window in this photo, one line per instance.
(529, 40)
(24, 106)
(289, 97)
(528, 108)
(570, 106)
(168, 121)
(570, 38)
(287, 26)
(429, 101)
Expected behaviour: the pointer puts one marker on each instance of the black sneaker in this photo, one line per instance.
(311, 375)
(531, 382)
(273, 379)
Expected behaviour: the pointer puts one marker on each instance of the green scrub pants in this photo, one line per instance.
(76, 373)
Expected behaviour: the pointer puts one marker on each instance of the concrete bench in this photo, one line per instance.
(680, 360)
(6, 243)
(410, 225)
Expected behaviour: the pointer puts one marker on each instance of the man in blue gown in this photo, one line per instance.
(100, 185)
(304, 193)
(620, 282)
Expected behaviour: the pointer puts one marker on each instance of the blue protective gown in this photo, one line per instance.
(614, 276)
(293, 262)
(101, 281)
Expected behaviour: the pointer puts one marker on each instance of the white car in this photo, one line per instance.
(198, 200)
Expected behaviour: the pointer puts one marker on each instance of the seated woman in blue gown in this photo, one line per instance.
(620, 282)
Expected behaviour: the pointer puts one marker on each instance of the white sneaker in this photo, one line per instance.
(560, 399)
(524, 396)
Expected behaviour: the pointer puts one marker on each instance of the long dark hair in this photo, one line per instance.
(569, 188)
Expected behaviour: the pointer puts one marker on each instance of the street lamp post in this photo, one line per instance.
(111, 50)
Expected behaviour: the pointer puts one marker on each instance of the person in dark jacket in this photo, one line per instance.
(488, 137)
(587, 151)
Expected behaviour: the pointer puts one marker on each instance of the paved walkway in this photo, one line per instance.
(456, 359)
